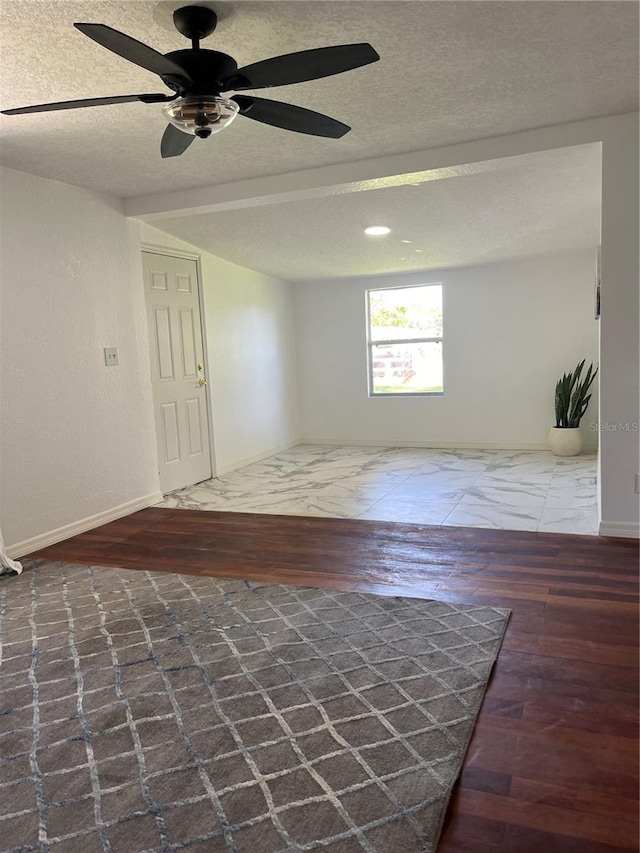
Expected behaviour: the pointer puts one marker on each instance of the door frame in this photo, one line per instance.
(156, 249)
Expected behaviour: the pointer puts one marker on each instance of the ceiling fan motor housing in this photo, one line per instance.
(203, 66)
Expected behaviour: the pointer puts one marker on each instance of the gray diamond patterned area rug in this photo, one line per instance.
(148, 712)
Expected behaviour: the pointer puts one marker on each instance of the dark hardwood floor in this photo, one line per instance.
(553, 764)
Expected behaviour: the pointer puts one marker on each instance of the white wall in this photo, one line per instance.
(510, 330)
(619, 339)
(250, 357)
(77, 438)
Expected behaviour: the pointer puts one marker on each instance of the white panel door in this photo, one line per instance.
(177, 370)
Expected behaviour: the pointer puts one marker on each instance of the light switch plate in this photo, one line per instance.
(111, 356)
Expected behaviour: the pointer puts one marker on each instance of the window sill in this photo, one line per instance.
(373, 395)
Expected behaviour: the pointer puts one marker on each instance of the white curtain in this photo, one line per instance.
(7, 565)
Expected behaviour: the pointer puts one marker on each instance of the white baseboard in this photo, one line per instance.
(624, 529)
(27, 546)
(444, 445)
(249, 460)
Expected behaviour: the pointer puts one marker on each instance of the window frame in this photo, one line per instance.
(371, 344)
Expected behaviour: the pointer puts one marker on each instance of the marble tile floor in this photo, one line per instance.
(501, 489)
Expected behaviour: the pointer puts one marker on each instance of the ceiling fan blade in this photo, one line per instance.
(301, 66)
(290, 117)
(174, 142)
(88, 102)
(133, 50)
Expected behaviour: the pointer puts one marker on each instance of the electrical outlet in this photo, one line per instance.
(637, 484)
(111, 356)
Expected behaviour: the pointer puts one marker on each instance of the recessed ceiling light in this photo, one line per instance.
(406, 241)
(377, 230)
(418, 250)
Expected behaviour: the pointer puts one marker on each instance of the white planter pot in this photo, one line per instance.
(565, 442)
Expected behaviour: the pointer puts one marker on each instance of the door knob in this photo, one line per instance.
(202, 381)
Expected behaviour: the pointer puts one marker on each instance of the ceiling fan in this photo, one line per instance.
(198, 77)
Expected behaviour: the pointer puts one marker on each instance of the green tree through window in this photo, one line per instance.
(408, 317)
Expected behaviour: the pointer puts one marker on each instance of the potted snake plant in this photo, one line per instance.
(571, 402)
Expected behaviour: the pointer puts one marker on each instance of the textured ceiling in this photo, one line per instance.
(514, 207)
(449, 71)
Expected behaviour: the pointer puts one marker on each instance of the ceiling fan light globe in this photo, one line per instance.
(200, 116)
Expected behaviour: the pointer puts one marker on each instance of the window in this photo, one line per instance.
(405, 340)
